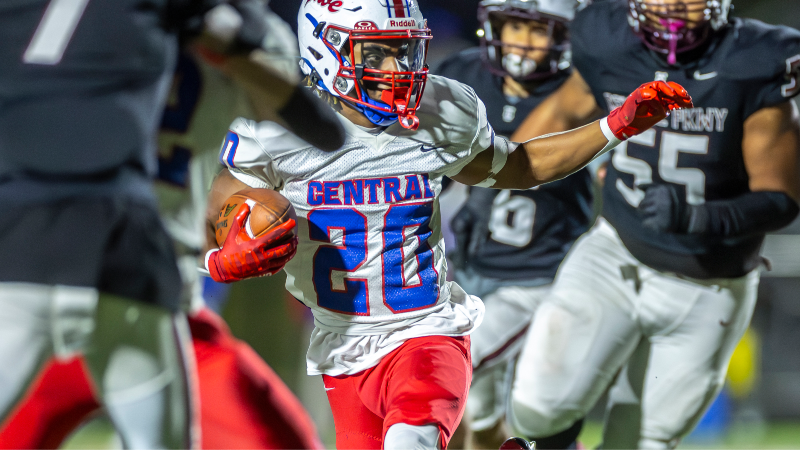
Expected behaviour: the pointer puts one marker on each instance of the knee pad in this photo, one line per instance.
(530, 421)
(401, 436)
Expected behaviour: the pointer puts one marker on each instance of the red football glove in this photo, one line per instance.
(243, 257)
(649, 104)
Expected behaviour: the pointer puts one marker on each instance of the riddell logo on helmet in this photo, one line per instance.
(333, 5)
(365, 25)
(403, 23)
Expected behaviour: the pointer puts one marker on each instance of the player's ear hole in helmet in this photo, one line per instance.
(526, 39)
(371, 54)
(672, 27)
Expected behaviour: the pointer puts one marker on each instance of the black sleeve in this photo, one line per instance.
(748, 214)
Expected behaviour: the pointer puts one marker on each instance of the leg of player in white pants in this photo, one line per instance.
(604, 303)
(134, 352)
(582, 333)
(494, 347)
(678, 371)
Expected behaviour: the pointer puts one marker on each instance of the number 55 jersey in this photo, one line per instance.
(370, 262)
(750, 66)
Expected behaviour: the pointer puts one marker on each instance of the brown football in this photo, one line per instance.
(269, 209)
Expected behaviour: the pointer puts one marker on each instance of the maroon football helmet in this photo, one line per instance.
(670, 27)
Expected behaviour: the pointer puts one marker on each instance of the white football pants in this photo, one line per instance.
(604, 303)
(136, 353)
(494, 346)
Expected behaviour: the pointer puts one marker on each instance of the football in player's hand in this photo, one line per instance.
(268, 209)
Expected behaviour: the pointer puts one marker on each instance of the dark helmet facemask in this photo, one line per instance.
(492, 14)
(671, 29)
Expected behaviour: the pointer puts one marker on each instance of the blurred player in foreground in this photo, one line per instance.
(665, 283)
(391, 338)
(242, 402)
(510, 243)
(90, 268)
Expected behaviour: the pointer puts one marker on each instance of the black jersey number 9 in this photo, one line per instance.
(792, 88)
(54, 32)
(671, 145)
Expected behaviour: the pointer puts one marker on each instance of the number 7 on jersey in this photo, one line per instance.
(54, 32)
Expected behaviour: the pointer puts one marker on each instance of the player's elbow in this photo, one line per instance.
(544, 165)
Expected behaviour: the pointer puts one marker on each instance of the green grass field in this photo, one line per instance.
(782, 435)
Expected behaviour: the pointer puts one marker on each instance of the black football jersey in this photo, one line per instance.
(82, 87)
(747, 66)
(518, 234)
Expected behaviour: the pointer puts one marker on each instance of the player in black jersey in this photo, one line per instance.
(664, 285)
(511, 242)
(88, 268)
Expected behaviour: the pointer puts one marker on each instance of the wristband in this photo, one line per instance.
(208, 257)
(613, 141)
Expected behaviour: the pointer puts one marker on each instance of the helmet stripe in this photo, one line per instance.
(399, 8)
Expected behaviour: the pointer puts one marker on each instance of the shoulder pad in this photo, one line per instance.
(759, 51)
(450, 111)
(273, 138)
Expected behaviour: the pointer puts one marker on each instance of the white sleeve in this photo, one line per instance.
(246, 158)
(478, 137)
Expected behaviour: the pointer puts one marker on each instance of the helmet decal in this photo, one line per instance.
(397, 8)
(333, 5)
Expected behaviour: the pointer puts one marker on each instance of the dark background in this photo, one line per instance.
(454, 22)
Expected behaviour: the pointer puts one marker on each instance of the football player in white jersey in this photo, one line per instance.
(391, 338)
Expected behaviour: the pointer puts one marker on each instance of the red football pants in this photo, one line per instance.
(423, 382)
(243, 403)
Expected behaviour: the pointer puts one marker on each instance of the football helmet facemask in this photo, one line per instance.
(671, 28)
(555, 15)
(352, 47)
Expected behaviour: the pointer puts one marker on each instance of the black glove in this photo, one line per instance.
(664, 209)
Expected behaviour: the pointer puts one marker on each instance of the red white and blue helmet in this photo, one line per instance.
(668, 28)
(556, 14)
(328, 31)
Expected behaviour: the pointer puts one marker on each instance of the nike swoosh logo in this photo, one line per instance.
(704, 76)
(329, 389)
(356, 9)
(426, 148)
(725, 324)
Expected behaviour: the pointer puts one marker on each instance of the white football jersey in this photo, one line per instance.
(371, 253)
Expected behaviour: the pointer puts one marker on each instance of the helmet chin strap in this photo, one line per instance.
(380, 118)
(673, 26)
(398, 101)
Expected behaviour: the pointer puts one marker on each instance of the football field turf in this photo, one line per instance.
(777, 435)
